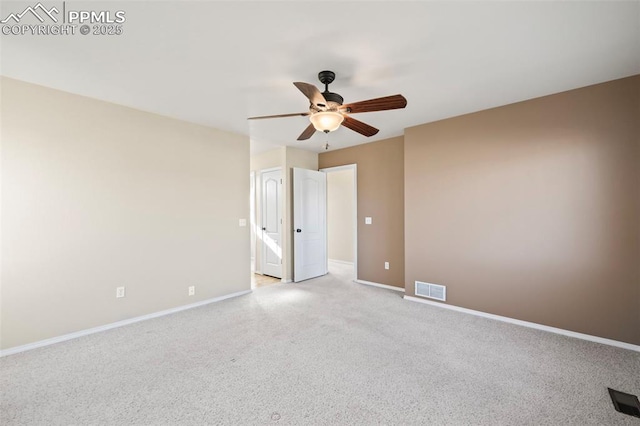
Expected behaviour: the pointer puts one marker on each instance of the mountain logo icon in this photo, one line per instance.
(39, 11)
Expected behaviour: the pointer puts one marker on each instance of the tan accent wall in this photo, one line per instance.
(380, 196)
(340, 211)
(532, 210)
(96, 196)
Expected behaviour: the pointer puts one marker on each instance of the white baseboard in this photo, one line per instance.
(537, 326)
(283, 281)
(341, 262)
(65, 337)
(388, 287)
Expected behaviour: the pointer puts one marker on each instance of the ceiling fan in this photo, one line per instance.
(327, 111)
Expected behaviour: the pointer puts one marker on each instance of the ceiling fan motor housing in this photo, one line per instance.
(334, 100)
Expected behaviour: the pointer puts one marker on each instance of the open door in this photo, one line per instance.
(309, 224)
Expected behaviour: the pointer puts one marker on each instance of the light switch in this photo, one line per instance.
(243, 222)
(367, 221)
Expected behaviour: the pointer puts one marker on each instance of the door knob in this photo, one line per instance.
(264, 229)
(298, 230)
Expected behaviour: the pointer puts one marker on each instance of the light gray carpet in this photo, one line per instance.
(326, 351)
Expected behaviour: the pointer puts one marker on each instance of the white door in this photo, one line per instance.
(271, 254)
(252, 218)
(309, 224)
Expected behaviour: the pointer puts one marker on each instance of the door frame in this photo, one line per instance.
(260, 214)
(353, 167)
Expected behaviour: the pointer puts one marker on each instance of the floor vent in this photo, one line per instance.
(625, 402)
(432, 291)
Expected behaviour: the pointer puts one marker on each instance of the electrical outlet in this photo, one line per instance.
(192, 290)
(242, 222)
(368, 220)
(386, 265)
(119, 292)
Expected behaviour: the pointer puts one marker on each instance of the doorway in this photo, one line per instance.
(310, 224)
(252, 219)
(342, 220)
(271, 222)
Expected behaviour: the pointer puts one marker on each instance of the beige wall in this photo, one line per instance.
(532, 210)
(268, 160)
(340, 211)
(96, 196)
(380, 183)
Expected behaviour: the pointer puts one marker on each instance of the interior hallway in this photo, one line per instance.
(258, 280)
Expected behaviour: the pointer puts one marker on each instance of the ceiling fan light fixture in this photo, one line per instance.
(326, 121)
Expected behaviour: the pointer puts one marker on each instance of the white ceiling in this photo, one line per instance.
(216, 63)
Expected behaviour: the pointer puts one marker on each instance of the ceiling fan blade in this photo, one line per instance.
(308, 132)
(359, 126)
(378, 104)
(301, 114)
(312, 92)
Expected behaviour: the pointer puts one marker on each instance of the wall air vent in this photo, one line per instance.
(625, 402)
(432, 291)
